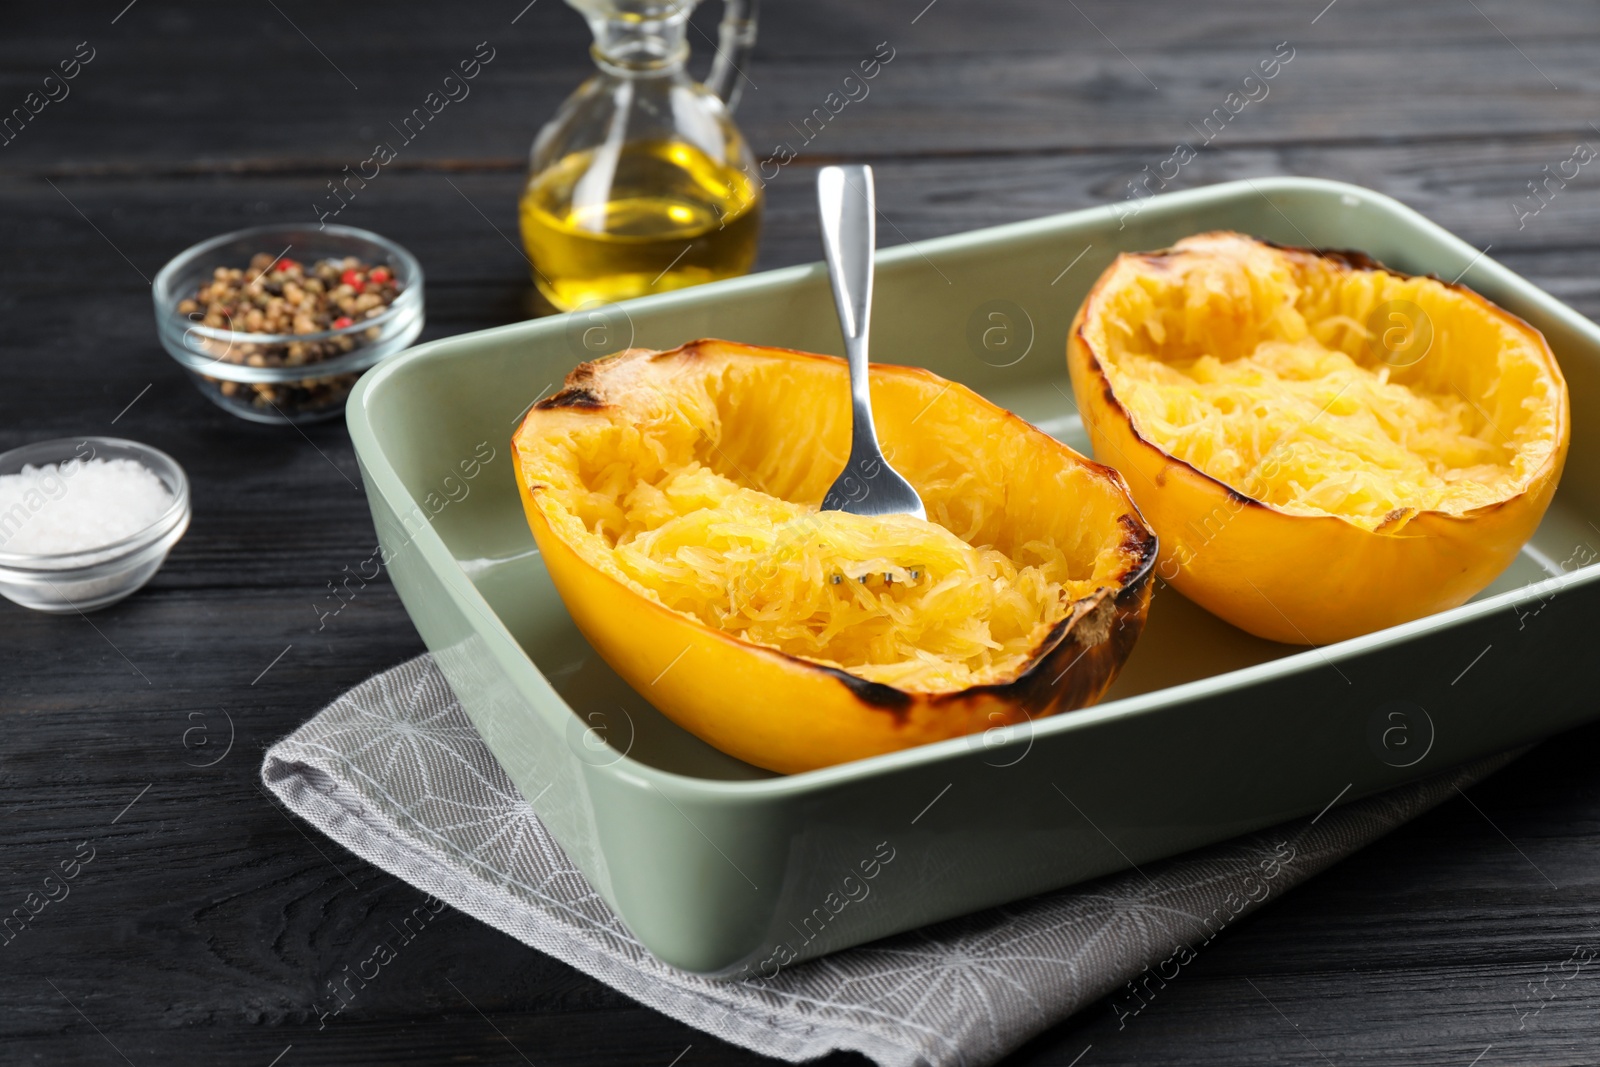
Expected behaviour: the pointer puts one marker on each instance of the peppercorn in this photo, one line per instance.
(285, 296)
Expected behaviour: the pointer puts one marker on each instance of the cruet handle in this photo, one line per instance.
(736, 38)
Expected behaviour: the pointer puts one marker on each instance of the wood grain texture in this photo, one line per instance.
(208, 923)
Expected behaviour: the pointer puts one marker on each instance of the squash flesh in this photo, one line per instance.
(1259, 369)
(894, 600)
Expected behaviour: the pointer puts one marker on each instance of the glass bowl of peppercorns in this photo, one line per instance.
(275, 324)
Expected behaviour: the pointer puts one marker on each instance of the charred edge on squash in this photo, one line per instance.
(1025, 689)
(1093, 628)
(573, 396)
(1353, 258)
(1237, 497)
(579, 389)
(689, 351)
(1138, 541)
(1110, 396)
(1356, 259)
(1092, 622)
(1026, 684)
(896, 702)
(701, 343)
(1458, 286)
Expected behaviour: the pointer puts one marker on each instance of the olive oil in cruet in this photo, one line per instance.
(641, 183)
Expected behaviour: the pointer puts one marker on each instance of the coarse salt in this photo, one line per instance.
(78, 505)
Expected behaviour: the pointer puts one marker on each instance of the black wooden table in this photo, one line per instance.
(208, 921)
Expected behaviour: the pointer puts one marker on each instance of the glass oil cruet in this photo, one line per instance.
(641, 183)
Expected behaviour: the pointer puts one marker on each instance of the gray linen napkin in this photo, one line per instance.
(965, 991)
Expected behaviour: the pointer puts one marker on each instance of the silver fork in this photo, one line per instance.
(848, 209)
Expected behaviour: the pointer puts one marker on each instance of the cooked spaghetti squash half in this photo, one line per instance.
(674, 497)
(1326, 447)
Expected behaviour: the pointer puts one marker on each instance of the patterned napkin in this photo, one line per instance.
(965, 991)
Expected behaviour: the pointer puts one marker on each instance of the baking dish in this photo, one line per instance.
(723, 869)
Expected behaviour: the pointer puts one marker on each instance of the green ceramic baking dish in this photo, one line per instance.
(721, 868)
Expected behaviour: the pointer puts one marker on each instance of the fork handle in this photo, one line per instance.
(847, 204)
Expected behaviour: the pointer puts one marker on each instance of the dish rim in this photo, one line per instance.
(386, 481)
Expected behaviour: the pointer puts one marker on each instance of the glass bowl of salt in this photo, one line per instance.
(85, 521)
